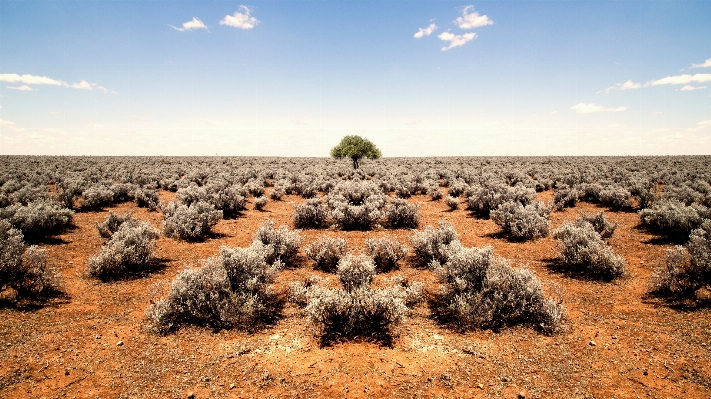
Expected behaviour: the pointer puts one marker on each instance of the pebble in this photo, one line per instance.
(191, 395)
(614, 337)
(593, 343)
(480, 385)
(522, 395)
(233, 386)
(120, 343)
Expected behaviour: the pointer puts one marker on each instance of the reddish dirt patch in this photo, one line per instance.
(642, 348)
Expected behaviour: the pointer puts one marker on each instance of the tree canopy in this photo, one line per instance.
(355, 148)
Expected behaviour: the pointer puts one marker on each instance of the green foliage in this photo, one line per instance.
(355, 148)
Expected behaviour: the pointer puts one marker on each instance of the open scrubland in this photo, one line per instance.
(303, 277)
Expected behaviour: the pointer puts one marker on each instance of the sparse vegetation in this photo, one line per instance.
(583, 250)
(231, 290)
(129, 250)
(189, 222)
(522, 222)
(327, 252)
(385, 252)
(481, 290)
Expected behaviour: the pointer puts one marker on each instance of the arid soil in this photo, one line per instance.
(96, 342)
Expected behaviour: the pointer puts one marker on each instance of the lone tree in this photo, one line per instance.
(355, 148)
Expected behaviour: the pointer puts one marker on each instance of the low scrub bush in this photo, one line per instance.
(356, 205)
(600, 223)
(566, 197)
(97, 196)
(687, 268)
(327, 252)
(385, 252)
(284, 244)
(522, 222)
(189, 222)
(227, 199)
(277, 193)
(356, 217)
(112, 223)
(230, 290)
(146, 198)
(357, 310)
(25, 269)
(452, 202)
(482, 290)
(583, 250)
(260, 203)
(129, 250)
(483, 200)
(38, 219)
(673, 219)
(435, 193)
(616, 198)
(430, 244)
(399, 213)
(311, 213)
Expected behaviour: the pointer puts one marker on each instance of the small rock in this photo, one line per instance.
(522, 395)
(645, 372)
(233, 386)
(593, 343)
(480, 385)
(614, 337)
(120, 343)
(66, 372)
(98, 337)
(191, 395)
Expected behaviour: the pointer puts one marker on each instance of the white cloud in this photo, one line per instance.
(29, 79)
(193, 24)
(591, 108)
(9, 125)
(703, 125)
(425, 31)
(456, 40)
(624, 86)
(691, 88)
(20, 88)
(241, 20)
(43, 80)
(681, 80)
(706, 64)
(470, 20)
(84, 85)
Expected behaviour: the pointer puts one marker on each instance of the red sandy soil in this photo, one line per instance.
(618, 342)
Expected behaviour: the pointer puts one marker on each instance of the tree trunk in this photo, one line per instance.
(355, 162)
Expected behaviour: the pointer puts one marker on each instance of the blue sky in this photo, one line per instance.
(290, 78)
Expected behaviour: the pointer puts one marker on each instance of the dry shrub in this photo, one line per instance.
(582, 250)
(482, 290)
(327, 252)
(230, 290)
(129, 251)
(385, 252)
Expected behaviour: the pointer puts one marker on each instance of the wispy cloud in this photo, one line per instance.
(681, 80)
(193, 24)
(241, 20)
(20, 88)
(691, 88)
(471, 19)
(456, 40)
(706, 64)
(703, 125)
(624, 86)
(591, 108)
(43, 80)
(425, 31)
(9, 125)
(29, 79)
